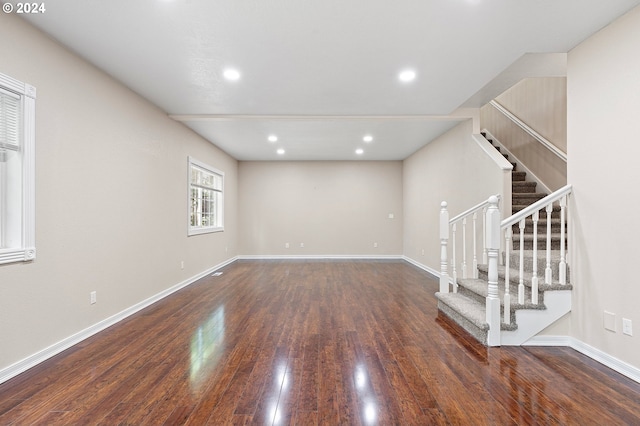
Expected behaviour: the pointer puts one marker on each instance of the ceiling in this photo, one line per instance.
(320, 75)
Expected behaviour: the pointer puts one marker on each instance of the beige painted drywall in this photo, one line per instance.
(452, 168)
(111, 199)
(333, 208)
(603, 106)
(541, 104)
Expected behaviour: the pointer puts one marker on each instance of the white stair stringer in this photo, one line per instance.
(533, 321)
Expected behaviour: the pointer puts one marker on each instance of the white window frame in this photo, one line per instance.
(219, 226)
(19, 220)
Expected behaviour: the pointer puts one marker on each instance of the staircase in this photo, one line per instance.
(532, 303)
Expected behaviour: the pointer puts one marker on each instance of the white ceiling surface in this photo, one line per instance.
(321, 74)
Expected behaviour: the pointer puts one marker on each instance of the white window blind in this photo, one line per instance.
(9, 120)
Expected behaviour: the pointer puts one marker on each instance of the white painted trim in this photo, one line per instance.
(425, 268)
(320, 257)
(530, 175)
(524, 126)
(193, 230)
(27, 250)
(492, 152)
(603, 358)
(41, 356)
(548, 341)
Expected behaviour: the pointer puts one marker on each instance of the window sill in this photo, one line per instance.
(17, 255)
(200, 231)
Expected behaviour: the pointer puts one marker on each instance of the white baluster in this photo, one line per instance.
(547, 270)
(521, 226)
(507, 257)
(507, 294)
(493, 246)
(453, 258)
(563, 263)
(475, 249)
(444, 238)
(534, 276)
(464, 247)
(484, 235)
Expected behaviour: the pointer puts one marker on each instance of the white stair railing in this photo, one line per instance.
(449, 233)
(546, 204)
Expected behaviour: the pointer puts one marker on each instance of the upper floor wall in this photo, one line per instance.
(541, 103)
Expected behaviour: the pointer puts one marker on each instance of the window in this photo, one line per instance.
(17, 170)
(205, 198)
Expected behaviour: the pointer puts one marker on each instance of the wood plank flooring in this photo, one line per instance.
(311, 343)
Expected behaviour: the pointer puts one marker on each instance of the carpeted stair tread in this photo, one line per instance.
(470, 309)
(523, 187)
(477, 289)
(516, 207)
(542, 225)
(518, 176)
(514, 278)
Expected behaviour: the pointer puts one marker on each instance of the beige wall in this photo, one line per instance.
(541, 104)
(452, 168)
(602, 133)
(334, 208)
(111, 199)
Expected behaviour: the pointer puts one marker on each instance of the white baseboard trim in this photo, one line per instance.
(421, 266)
(320, 257)
(548, 341)
(35, 359)
(603, 358)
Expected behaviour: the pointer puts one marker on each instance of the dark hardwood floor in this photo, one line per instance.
(311, 342)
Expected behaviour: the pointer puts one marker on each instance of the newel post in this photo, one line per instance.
(444, 239)
(493, 246)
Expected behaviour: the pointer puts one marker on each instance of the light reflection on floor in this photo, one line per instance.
(207, 345)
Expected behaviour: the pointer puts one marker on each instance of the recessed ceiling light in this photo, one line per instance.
(231, 74)
(407, 76)
(280, 151)
(359, 151)
(272, 138)
(367, 138)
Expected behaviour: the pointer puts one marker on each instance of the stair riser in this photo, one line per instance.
(513, 291)
(542, 244)
(542, 228)
(521, 189)
(524, 198)
(480, 335)
(517, 206)
(514, 262)
(514, 279)
(518, 176)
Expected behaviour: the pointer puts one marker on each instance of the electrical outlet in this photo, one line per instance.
(182, 264)
(375, 245)
(301, 245)
(286, 245)
(423, 252)
(93, 297)
(626, 327)
(391, 216)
